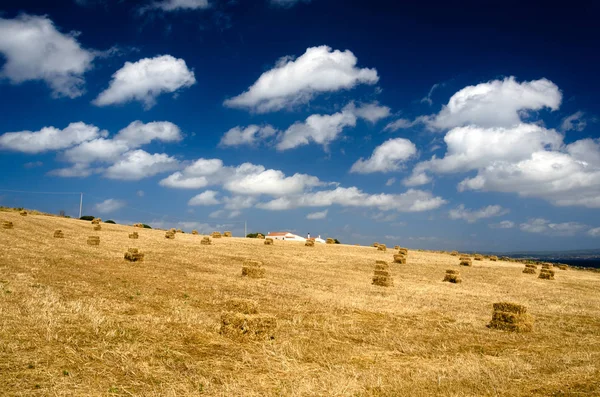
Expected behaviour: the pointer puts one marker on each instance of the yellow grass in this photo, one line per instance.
(78, 320)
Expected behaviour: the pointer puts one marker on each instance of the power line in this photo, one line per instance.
(32, 192)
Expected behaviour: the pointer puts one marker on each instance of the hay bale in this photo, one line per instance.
(403, 251)
(454, 253)
(399, 258)
(260, 236)
(97, 227)
(269, 241)
(309, 243)
(478, 257)
(330, 241)
(530, 265)
(134, 235)
(96, 221)
(170, 235)
(511, 317)
(251, 326)
(195, 232)
(382, 265)
(493, 258)
(452, 276)
(376, 244)
(466, 262)
(381, 247)
(226, 234)
(23, 213)
(546, 274)
(464, 258)
(179, 231)
(383, 281)
(546, 266)
(216, 235)
(7, 225)
(529, 270)
(563, 267)
(205, 241)
(59, 234)
(140, 225)
(134, 255)
(93, 240)
(244, 306)
(253, 269)
(396, 247)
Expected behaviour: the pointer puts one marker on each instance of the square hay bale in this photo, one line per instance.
(330, 241)
(382, 265)
(309, 243)
(205, 241)
(269, 241)
(7, 225)
(134, 255)
(134, 235)
(494, 258)
(96, 221)
(563, 267)
(376, 244)
(383, 281)
(396, 247)
(216, 235)
(454, 253)
(226, 234)
(59, 234)
(251, 326)
(381, 273)
(403, 251)
(140, 225)
(195, 232)
(511, 317)
(478, 257)
(260, 236)
(244, 306)
(253, 269)
(464, 258)
(97, 227)
(529, 270)
(546, 266)
(531, 266)
(546, 274)
(466, 262)
(93, 240)
(399, 258)
(23, 213)
(381, 247)
(170, 235)
(452, 276)
(179, 231)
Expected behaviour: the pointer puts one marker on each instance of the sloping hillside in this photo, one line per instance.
(80, 320)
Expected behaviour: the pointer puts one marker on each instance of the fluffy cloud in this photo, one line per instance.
(401, 124)
(498, 103)
(138, 164)
(208, 197)
(49, 138)
(250, 135)
(177, 5)
(35, 50)
(387, 157)
(502, 225)
(372, 112)
(108, 206)
(145, 80)
(574, 122)
(473, 216)
(317, 215)
(595, 232)
(540, 225)
(74, 171)
(320, 129)
(390, 182)
(297, 81)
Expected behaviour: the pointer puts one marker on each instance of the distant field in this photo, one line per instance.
(78, 320)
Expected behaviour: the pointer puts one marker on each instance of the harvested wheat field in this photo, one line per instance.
(79, 320)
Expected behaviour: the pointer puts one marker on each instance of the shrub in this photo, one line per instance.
(253, 235)
(87, 218)
(335, 240)
(111, 221)
(146, 226)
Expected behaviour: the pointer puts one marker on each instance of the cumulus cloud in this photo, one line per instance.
(574, 122)
(74, 171)
(386, 157)
(109, 205)
(498, 103)
(145, 80)
(372, 112)
(177, 5)
(540, 225)
(139, 164)
(472, 216)
(208, 197)
(595, 232)
(297, 81)
(49, 138)
(317, 215)
(35, 50)
(502, 225)
(249, 136)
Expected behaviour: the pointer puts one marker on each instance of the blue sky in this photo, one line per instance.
(423, 125)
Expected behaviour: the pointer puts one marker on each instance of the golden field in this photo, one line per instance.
(79, 320)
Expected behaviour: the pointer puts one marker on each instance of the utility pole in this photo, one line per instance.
(80, 203)
(245, 228)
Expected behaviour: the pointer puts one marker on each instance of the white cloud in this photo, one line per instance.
(49, 138)
(239, 202)
(208, 197)
(540, 225)
(179, 181)
(502, 225)
(390, 182)
(74, 171)
(498, 103)
(33, 164)
(137, 133)
(574, 122)
(595, 232)
(178, 5)
(101, 149)
(108, 206)
(250, 135)
(35, 50)
(252, 179)
(320, 129)
(372, 112)
(428, 99)
(401, 124)
(473, 216)
(138, 164)
(297, 81)
(416, 179)
(317, 215)
(386, 157)
(145, 80)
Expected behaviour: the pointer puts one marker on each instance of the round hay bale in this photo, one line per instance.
(59, 234)
(309, 243)
(269, 241)
(216, 235)
(226, 234)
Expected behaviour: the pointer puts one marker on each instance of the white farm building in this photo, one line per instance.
(287, 236)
